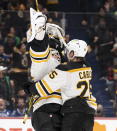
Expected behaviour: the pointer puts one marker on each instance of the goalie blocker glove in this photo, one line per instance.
(38, 22)
(29, 88)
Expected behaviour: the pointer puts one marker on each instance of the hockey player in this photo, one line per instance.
(46, 110)
(40, 39)
(73, 78)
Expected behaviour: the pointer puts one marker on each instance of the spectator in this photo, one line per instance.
(6, 85)
(56, 17)
(84, 30)
(4, 59)
(113, 64)
(114, 52)
(50, 20)
(1, 38)
(20, 108)
(92, 60)
(9, 44)
(112, 73)
(12, 31)
(105, 42)
(21, 93)
(19, 70)
(3, 110)
(115, 84)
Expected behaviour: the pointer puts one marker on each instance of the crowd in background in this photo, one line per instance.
(98, 28)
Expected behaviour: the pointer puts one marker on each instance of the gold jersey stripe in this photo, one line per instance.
(39, 61)
(92, 103)
(45, 53)
(40, 89)
(47, 97)
(59, 90)
(56, 37)
(93, 100)
(80, 69)
(47, 86)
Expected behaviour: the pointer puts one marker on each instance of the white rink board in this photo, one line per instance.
(16, 124)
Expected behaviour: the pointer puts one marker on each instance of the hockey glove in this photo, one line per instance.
(38, 22)
(29, 88)
(54, 31)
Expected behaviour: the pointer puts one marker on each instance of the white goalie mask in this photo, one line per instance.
(37, 30)
(55, 58)
(78, 47)
(55, 54)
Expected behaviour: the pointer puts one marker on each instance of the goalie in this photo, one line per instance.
(40, 37)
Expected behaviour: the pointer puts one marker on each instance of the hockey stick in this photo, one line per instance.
(61, 38)
(30, 103)
(37, 5)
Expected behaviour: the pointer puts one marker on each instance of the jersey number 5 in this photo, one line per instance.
(53, 74)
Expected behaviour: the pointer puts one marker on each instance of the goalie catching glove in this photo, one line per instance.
(55, 32)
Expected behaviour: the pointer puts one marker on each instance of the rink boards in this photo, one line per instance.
(16, 124)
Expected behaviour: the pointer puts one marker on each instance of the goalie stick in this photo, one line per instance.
(61, 38)
(30, 104)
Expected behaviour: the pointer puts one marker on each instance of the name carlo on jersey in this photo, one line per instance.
(85, 74)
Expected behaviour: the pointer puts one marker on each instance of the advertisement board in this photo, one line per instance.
(16, 124)
(105, 124)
